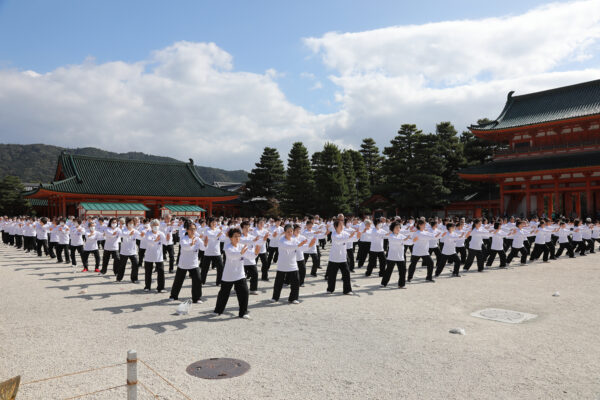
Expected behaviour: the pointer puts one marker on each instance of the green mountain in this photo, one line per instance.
(34, 163)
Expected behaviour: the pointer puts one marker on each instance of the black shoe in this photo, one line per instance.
(430, 280)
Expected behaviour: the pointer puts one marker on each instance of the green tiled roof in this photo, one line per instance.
(183, 208)
(114, 206)
(110, 176)
(38, 202)
(549, 163)
(557, 104)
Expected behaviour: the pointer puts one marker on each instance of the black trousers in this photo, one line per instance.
(241, 290)
(76, 249)
(42, 243)
(426, 260)
(462, 252)
(252, 274)
(444, 258)
(390, 268)
(86, 255)
(160, 272)
(316, 262)
(273, 255)
(436, 251)
(51, 247)
(301, 271)
(264, 266)
(538, 249)
(350, 258)
(60, 249)
(579, 247)
(492, 256)
(141, 254)
(472, 255)
(217, 262)
(507, 244)
(18, 241)
(169, 249)
(123, 265)
(332, 270)
(323, 242)
(565, 246)
(294, 280)
(106, 255)
(180, 274)
(373, 257)
(29, 243)
(514, 252)
(590, 245)
(363, 251)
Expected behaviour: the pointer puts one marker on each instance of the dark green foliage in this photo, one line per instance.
(266, 179)
(11, 197)
(360, 171)
(373, 159)
(332, 191)
(35, 163)
(351, 183)
(299, 188)
(451, 151)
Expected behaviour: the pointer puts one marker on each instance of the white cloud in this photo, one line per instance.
(455, 70)
(187, 100)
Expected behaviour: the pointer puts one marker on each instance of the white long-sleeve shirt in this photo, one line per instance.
(338, 246)
(154, 250)
(128, 244)
(396, 247)
(188, 258)
(286, 261)
(213, 247)
(234, 263)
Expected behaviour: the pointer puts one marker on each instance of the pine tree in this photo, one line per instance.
(332, 191)
(11, 197)
(351, 182)
(360, 171)
(373, 159)
(267, 178)
(299, 187)
(451, 150)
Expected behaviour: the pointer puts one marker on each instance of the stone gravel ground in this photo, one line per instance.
(378, 344)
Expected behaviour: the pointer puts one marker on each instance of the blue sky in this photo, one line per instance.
(322, 82)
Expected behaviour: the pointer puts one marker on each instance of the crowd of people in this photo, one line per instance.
(235, 246)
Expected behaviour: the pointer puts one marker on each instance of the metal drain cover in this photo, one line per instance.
(500, 315)
(218, 368)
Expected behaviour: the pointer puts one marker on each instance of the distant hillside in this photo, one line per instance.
(37, 162)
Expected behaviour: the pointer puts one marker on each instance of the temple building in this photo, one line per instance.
(84, 186)
(551, 165)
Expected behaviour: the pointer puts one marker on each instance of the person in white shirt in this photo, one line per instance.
(154, 239)
(29, 235)
(448, 252)
(188, 263)
(310, 232)
(364, 243)
(234, 275)
(144, 227)
(62, 246)
(564, 241)
(250, 241)
(212, 254)
(477, 234)
(275, 232)
(76, 245)
(263, 234)
(376, 252)
(519, 237)
(395, 258)
(587, 235)
(497, 247)
(337, 258)
(128, 251)
(578, 242)
(420, 251)
(41, 230)
(112, 237)
(168, 228)
(541, 232)
(287, 266)
(91, 247)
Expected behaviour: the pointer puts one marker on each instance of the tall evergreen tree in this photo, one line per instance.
(360, 171)
(332, 191)
(267, 178)
(373, 159)
(451, 150)
(299, 187)
(351, 183)
(11, 197)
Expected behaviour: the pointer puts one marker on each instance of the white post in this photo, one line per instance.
(132, 375)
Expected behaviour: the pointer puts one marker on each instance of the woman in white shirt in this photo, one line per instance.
(129, 237)
(519, 237)
(112, 237)
(62, 246)
(212, 254)
(477, 235)
(540, 242)
(564, 242)
(234, 275)
(76, 235)
(376, 251)
(287, 265)
(91, 247)
(154, 240)
(395, 255)
(420, 251)
(497, 247)
(188, 263)
(448, 252)
(337, 258)
(250, 264)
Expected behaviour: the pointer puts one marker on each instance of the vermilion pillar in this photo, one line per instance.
(501, 199)
(578, 204)
(527, 200)
(588, 194)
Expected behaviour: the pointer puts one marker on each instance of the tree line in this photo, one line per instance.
(416, 172)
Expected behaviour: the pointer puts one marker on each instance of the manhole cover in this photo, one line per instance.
(508, 316)
(218, 368)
